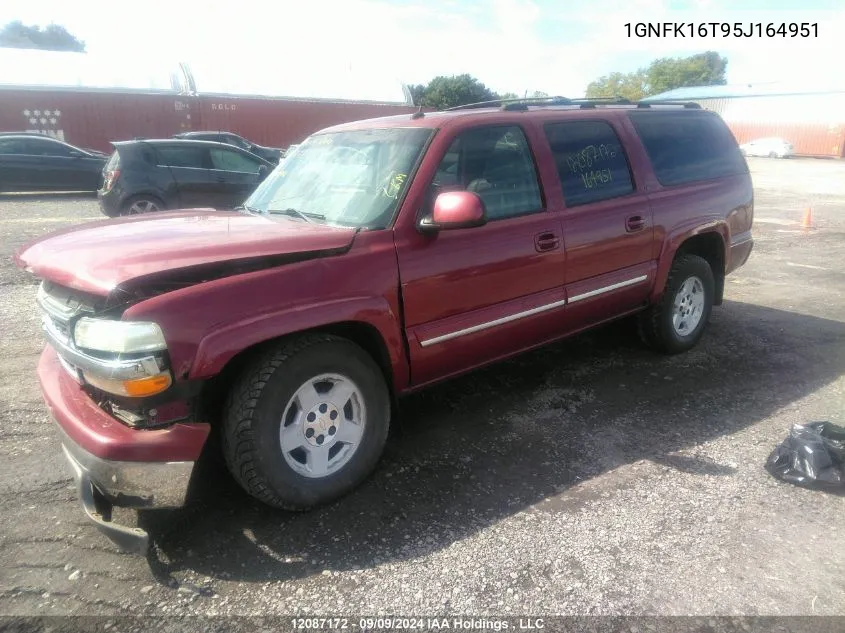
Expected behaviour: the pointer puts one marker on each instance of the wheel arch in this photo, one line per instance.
(708, 243)
(365, 335)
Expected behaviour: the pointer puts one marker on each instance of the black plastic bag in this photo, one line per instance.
(813, 455)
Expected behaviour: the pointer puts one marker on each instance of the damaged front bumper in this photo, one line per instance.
(103, 484)
(114, 464)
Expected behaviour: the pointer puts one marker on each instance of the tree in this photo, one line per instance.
(539, 94)
(666, 73)
(52, 38)
(417, 93)
(704, 69)
(627, 85)
(447, 92)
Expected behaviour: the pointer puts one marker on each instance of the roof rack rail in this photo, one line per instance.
(504, 103)
(521, 105)
(687, 104)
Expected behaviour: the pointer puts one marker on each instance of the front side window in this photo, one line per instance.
(232, 161)
(181, 156)
(352, 178)
(496, 164)
(590, 161)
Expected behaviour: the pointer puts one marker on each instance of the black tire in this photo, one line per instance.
(656, 327)
(773, 155)
(257, 402)
(126, 209)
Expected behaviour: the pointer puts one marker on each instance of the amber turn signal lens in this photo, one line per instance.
(138, 388)
(146, 386)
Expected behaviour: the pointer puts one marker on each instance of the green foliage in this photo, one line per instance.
(628, 85)
(447, 92)
(704, 69)
(52, 38)
(417, 92)
(666, 73)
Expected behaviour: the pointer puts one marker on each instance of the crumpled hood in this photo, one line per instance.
(99, 256)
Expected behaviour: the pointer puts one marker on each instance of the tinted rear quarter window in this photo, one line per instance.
(688, 146)
(590, 161)
(181, 156)
(114, 161)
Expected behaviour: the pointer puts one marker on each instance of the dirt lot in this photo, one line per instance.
(592, 477)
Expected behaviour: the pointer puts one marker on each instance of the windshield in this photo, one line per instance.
(351, 178)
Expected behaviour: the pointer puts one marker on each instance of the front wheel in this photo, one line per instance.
(677, 322)
(306, 422)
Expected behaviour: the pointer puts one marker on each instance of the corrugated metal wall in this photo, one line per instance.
(94, 119)
(813, 123)
(283, 122)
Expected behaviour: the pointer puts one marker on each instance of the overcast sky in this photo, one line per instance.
(557, 46)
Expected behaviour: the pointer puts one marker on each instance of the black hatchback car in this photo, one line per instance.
(152, 175)
(36, 162)
(272, 154)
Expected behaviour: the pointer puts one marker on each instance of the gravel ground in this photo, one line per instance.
(591, 477)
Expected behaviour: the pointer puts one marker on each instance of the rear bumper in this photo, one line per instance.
(116, 465)
(109, 202)
(739, 253)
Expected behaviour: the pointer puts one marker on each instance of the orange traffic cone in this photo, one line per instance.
(807, 222)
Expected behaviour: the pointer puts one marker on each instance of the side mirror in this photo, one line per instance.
(263, 170)
(454, 210)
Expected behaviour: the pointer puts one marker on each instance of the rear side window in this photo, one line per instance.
(232, 161)
(182, 156)
(686, 146)
(590, 161)
(11, 146)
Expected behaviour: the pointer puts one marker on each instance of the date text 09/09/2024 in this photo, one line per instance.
(722, 29)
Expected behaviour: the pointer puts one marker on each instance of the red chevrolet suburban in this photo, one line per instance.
(381, 257)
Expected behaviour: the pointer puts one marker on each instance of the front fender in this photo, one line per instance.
(227, 340)
(673, 242)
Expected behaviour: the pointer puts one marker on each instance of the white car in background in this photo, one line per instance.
(772, 147)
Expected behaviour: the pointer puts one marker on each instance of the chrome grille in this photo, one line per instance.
(59, 306)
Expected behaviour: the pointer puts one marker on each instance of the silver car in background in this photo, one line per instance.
(773, 147)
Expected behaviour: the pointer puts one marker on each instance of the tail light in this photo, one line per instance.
(110, 178)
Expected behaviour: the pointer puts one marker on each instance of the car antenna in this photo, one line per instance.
(418, 114)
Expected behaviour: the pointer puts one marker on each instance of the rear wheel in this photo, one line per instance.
(773, 155)
(676, 323)
(306, 422)
(137, 205)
